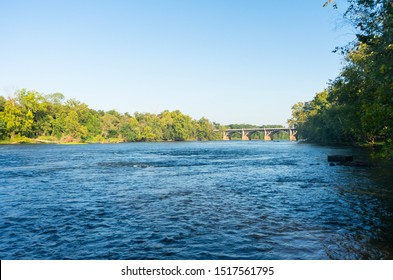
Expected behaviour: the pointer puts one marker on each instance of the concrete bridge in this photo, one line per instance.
(268, 133)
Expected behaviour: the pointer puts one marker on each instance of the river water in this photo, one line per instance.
(192, 200)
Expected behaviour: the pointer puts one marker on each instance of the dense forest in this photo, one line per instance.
(30, 116)
(357, 106)
(33, 117)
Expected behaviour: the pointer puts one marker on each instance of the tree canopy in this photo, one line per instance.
(30, 114)
(357, 106)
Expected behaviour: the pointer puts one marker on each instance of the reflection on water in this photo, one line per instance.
(213, 200)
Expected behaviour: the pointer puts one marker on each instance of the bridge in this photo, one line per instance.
(268, 133)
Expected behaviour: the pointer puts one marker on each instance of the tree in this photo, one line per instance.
(55, 98)
(12, 117)
(32, 114)
(72, 126)
(2, 121)
(2, 103)
(204, 130)
(359, 101)
(33, 105)
(167, 125)
(130, 130)
(182, 126)
(110, 125)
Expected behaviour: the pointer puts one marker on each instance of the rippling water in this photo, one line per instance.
(210, 200)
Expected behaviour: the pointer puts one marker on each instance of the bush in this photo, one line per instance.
(21, 140)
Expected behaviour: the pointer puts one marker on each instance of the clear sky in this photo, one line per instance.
(232, 61)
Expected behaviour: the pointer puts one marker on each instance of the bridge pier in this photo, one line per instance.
(267, 135)
(225, 136)
(245, 136)
(292, 136)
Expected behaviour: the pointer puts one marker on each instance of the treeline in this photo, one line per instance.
(357, 106)
(48, 117)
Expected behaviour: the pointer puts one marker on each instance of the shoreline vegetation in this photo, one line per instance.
(356, 108)
(30, 117)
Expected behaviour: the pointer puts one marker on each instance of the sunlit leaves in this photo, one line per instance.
(360, 99)
(32, 114)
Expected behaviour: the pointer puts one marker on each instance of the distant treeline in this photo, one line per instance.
(47, 117)
(357, 106)
(30, 117)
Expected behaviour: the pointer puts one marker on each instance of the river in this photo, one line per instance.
(192, 200)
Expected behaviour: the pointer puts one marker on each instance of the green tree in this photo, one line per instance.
(130, 130)
(12, 118)
(2, 103)
(150, 126)
(182, 126)
(359, 103)
(204, 130)
(55, 98)
(32, 114)
(32, 104)
(110, 125)
(167, 125)
(2, 121)
(73, 128)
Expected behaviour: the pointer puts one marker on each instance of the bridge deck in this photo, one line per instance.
(255, 129)
(267, 131)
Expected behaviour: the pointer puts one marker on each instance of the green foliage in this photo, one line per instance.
(2, 103)
(387, 149)
(48, 118)
(18, 139)
(12, 117)
(73, 127)
(130, 130)
(358, 105)
(204, 130)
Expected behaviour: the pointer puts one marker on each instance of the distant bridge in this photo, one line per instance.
(268, 133)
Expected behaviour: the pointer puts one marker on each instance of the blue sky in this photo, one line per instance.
(243, 61)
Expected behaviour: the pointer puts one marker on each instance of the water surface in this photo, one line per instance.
(210, 200)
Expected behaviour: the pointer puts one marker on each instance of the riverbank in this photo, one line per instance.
(39, 142)
(17, 140)
(49, 140)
